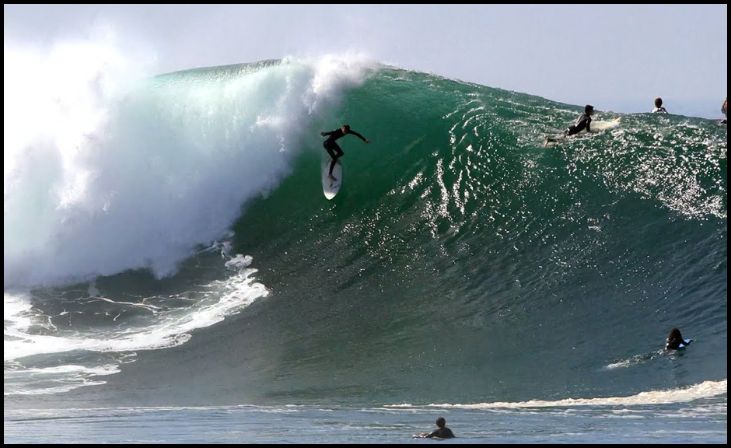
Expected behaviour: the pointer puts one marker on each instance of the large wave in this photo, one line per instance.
(462, 262)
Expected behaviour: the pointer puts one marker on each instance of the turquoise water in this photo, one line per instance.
(462, 263)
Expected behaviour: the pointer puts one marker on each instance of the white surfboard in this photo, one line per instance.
(599, 126)
(596, 127)
(329, 187)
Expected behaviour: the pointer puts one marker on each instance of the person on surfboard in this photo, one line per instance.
(442, 432)
(333, 149)
(658, 107)
(583, 122)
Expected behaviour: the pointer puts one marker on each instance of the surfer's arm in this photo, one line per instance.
(359, 136)
(326, 133)
(431, 434)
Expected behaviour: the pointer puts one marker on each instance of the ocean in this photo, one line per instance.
(173, 272)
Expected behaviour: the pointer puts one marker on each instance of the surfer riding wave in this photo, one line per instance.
(332, 147)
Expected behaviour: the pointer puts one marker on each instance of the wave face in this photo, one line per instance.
(461, 262)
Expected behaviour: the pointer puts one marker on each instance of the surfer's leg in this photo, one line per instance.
(332, 165)
(335, 157)
(331, 152)
(329, 149)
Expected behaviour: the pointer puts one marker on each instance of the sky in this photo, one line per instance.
(616, 57)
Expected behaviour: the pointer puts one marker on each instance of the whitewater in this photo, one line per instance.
(169, 257)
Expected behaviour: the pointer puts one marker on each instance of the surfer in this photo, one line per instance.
(333, 149)
(583, 122)
(675, 340)
(724, 109)
(658, 107)
(441, 433)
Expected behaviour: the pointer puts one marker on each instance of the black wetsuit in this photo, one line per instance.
(675, 342)
(583, 122)
(442, 433)
(332, 148)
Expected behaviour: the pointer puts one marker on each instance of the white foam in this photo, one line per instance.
(636, 359)
(17, 312)
(51, 380)
(214, 302)
(705, 389)
(173, 327)
(239, 261)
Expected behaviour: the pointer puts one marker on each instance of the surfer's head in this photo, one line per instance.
(658, 102)
(588, 109)
(675, 335)
(345, 128)
(441, 422)
(674, 340)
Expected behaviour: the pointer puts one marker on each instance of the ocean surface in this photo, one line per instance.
(173, 272)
